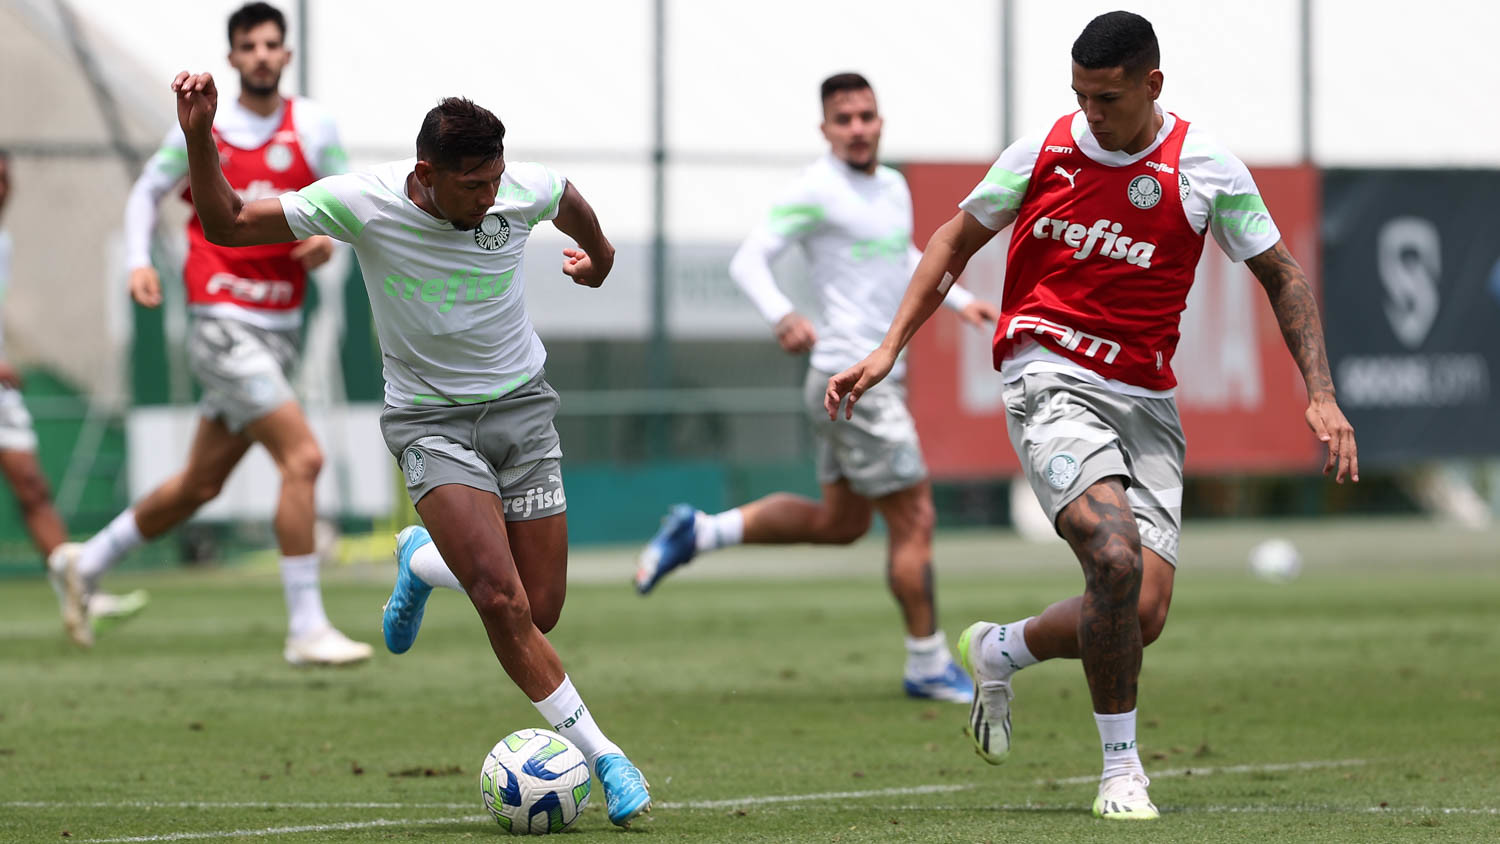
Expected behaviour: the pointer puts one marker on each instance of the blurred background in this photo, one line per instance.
(1367, 125)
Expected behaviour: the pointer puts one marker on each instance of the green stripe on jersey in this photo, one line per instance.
(331, 210)
(1007, 179)
(788, 220)
(1240, 202)
(557, 192)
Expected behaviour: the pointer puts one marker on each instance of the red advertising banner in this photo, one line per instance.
(1239, 391)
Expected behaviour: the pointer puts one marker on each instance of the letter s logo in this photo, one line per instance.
(1409, 254)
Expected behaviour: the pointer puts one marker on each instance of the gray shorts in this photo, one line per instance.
(16, 433)
(244, 370)
(877, 451)
(507, 447)
(1070, 434)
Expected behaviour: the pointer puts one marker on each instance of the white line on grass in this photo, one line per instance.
(812, 798)
(210, 804)
(289, 830)
(1226, 769)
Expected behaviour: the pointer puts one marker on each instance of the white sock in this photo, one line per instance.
(718, 531)
(106, 547)
(1117, 736)
(428, 565)
(304, 599)
(1003, 651)
(565, 712)
(926, 656)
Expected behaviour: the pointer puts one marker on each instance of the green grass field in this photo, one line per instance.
(760, 693)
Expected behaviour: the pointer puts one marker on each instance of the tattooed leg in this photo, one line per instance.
(1101, 529)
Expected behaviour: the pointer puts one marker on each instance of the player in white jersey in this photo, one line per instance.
(853, 219)
(18, 457)
(246, 309)
(439, 241)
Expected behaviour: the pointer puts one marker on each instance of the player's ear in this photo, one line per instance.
(424, 173)
(1154, 81)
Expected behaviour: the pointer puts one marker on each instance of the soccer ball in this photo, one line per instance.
(1276, 560)
(535, 782)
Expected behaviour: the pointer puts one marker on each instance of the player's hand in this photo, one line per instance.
(313, 252)
(578, 266)
(145, 286)
(9, 377)
(854, 381)
(980, 314)
(1328, 423)
(197, 100)
(795, 333)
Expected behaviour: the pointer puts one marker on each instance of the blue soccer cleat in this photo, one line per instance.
(952, 685)
(403, 610)
(625, 794)
(672, 546)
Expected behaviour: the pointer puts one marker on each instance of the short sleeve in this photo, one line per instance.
(995, 201)
(338, 206)
(542, 189)
(1222, 185)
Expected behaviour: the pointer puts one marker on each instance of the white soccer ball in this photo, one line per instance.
(535, 782)
(1276, 560)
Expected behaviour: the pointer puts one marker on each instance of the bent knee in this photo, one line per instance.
(1114, 571)
(303, 463)
(842, 529)
(505, 603)
(1153, 613)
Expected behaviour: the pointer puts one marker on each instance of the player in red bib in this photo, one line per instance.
(1110, 208)
(247, 311)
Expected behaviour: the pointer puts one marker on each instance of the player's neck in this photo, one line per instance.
(264, 105)
(1147, 136)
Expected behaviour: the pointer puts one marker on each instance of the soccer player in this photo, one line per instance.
(18, 460)
(247, 309)
(1110, 206)
(469, 412)
(853, 218)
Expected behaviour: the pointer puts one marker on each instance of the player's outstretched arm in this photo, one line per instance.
(947, 253)
(1297, 314)
(592, 261)
(227, 220)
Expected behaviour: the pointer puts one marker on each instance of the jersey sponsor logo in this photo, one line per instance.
(1160, 167)
(1058, 149)
(571, 719)
(536, 499)
(1066, 175)
(1103, 233)
(1144, 191)
(279, 157)
(1163, 539)
(415, 464)
(892, 247)
(1061, 470)
(491, 233)
(252, 291)
(462, 286)
(515, 193)
(1071, 338)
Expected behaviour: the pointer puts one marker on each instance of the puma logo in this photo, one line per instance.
(1066, 175)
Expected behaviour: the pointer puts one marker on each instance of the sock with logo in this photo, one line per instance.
(429, 567)
(106, 547)
(1117, 736)
(1003, 651)
(565, 712)
(926, 656)
(718, 531)
(304, 597)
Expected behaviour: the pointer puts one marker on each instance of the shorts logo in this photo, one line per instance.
(1144, 191)
(1062, 468)
(415, 465)
(491, 233)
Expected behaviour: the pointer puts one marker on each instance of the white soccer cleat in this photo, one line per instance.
(1124, 798)
(73, 592)
(989, 713)
(326, 647)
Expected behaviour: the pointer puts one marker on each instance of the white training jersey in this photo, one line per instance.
(1222, 198)
(855, 229)
(166, 171)
(449, 305)
(5, 250)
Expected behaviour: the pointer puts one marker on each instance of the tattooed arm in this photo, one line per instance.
(1297, 314)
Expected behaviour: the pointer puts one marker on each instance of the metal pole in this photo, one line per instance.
(1007, 72)
(306, 51)
(658, 372)
(1307, 82)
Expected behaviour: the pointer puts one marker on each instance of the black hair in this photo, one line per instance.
(842, 82)
(1118, 39)
(456, 129)
(252, 15)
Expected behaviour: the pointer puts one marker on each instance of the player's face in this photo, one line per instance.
(1118, 105)
(259, 54)
(464, 195)
(851, 123)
